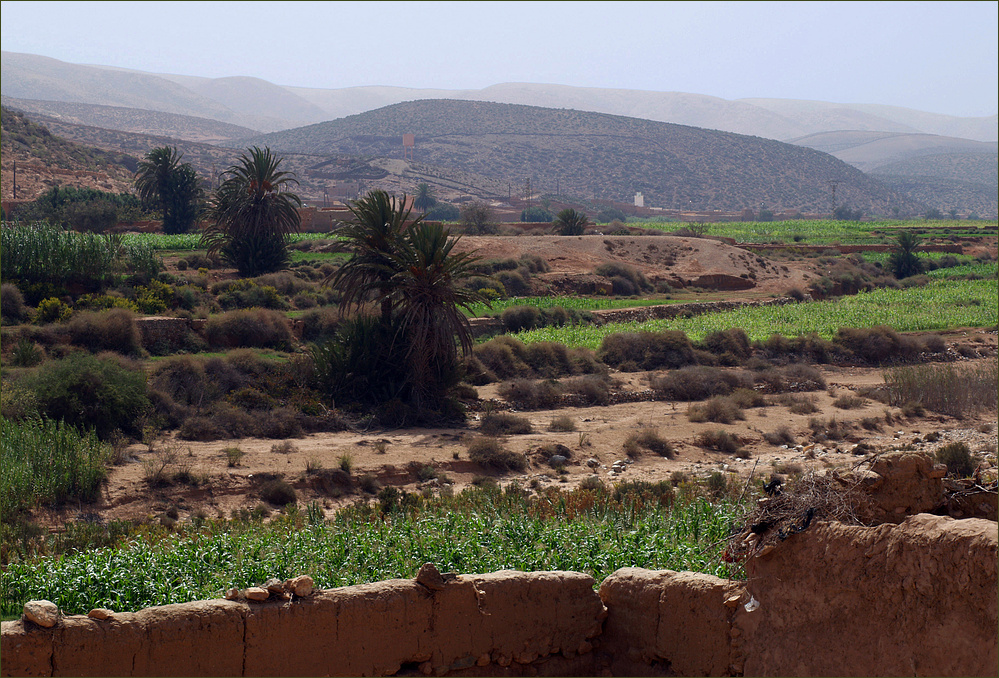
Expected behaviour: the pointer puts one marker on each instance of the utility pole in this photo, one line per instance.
(15, 180)
(834, 183)
(527, 191)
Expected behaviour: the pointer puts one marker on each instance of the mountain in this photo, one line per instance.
(869, 150)
(595, 155)
(44, 160)
(258, 104)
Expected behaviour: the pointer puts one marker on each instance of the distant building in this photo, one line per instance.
(639, 200)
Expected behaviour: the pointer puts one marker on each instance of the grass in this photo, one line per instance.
(479, 530)
(939, 305)
(48, 462)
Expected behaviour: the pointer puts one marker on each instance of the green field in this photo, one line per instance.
(939, 305)
(479, 530)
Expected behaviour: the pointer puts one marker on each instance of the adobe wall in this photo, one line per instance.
(917, 598)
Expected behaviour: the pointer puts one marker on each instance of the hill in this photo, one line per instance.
(44, 160)
(966, 182)
(869, 151)
(593, 155)
(156, 123)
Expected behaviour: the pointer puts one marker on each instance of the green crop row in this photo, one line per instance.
(577, 303)
(938, 305)
(479, 530)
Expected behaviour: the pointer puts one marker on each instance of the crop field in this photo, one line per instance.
(575, 303)
(938, 305)
(826, 232)
(478, 530)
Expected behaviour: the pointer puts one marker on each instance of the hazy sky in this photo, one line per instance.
(932, 56)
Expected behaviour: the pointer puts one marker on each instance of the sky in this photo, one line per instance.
(939, 57)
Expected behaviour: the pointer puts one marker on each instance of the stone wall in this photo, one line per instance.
(916, 598)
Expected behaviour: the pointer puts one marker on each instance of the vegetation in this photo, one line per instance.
(570, 222)
(903, 261)
(480, 530)
(253, 213)
(48, 462)
(172, 186)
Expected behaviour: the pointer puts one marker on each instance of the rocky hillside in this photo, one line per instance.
(593, 155)
(141, 121)
(45, 160)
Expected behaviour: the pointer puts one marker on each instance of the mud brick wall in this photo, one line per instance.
(915, 598)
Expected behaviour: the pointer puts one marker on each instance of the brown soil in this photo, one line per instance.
(393, 457)
(682, 262)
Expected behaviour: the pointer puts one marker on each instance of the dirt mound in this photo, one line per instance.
(679, 261)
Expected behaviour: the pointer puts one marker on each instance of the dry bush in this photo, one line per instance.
(878, 345)
(278, 493)
(718, 409)
(830, 429)
(794, 377)
(719, 440)
(958, 458)
(781, 436)
(111, 330)
(489, 453)
(256, 327)
(562, 424)
(797, 404)
(731, 342)
(957, 391)
(593, 390)
(504, 423)
(848, 402)
(697, 382)
(747, 397)
(647, 350)
(532, 395)
(648, 439)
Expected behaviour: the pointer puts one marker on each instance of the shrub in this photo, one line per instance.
(502, 423)
(648, 439)
(848, 402)
(592, 390)
(629, 277)
(256, 327)
(113, 330)
(52, 310)
(562, 424)
(697, 382)
(781, 436)
(91, 392)
(877, 345)
(719, 440)
(794, 377)
(733, 341)
(278, 493)
(26, 353)
(948, 389)
(532, 395)
(489, 453)
(12, 305)
(958, 458)
(719, 409)
(647, 350)
(518, 318)
(797, 404)
(233, 456)
(319, 324)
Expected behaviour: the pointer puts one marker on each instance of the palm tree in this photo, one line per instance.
(161, 179)
(570, 222)
(903, 260)
(253, 213)
(425, 291)
(424, 198)
(371, 240)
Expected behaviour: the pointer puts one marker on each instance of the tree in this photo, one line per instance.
(609, 214)
(443, 212)
(371, 240)
(424, 290)
(536, 215)
(424, 198)
(477, 219)
(409, 266)
(162, 180)
(903, 261)
(570, 222)
(253, 213)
